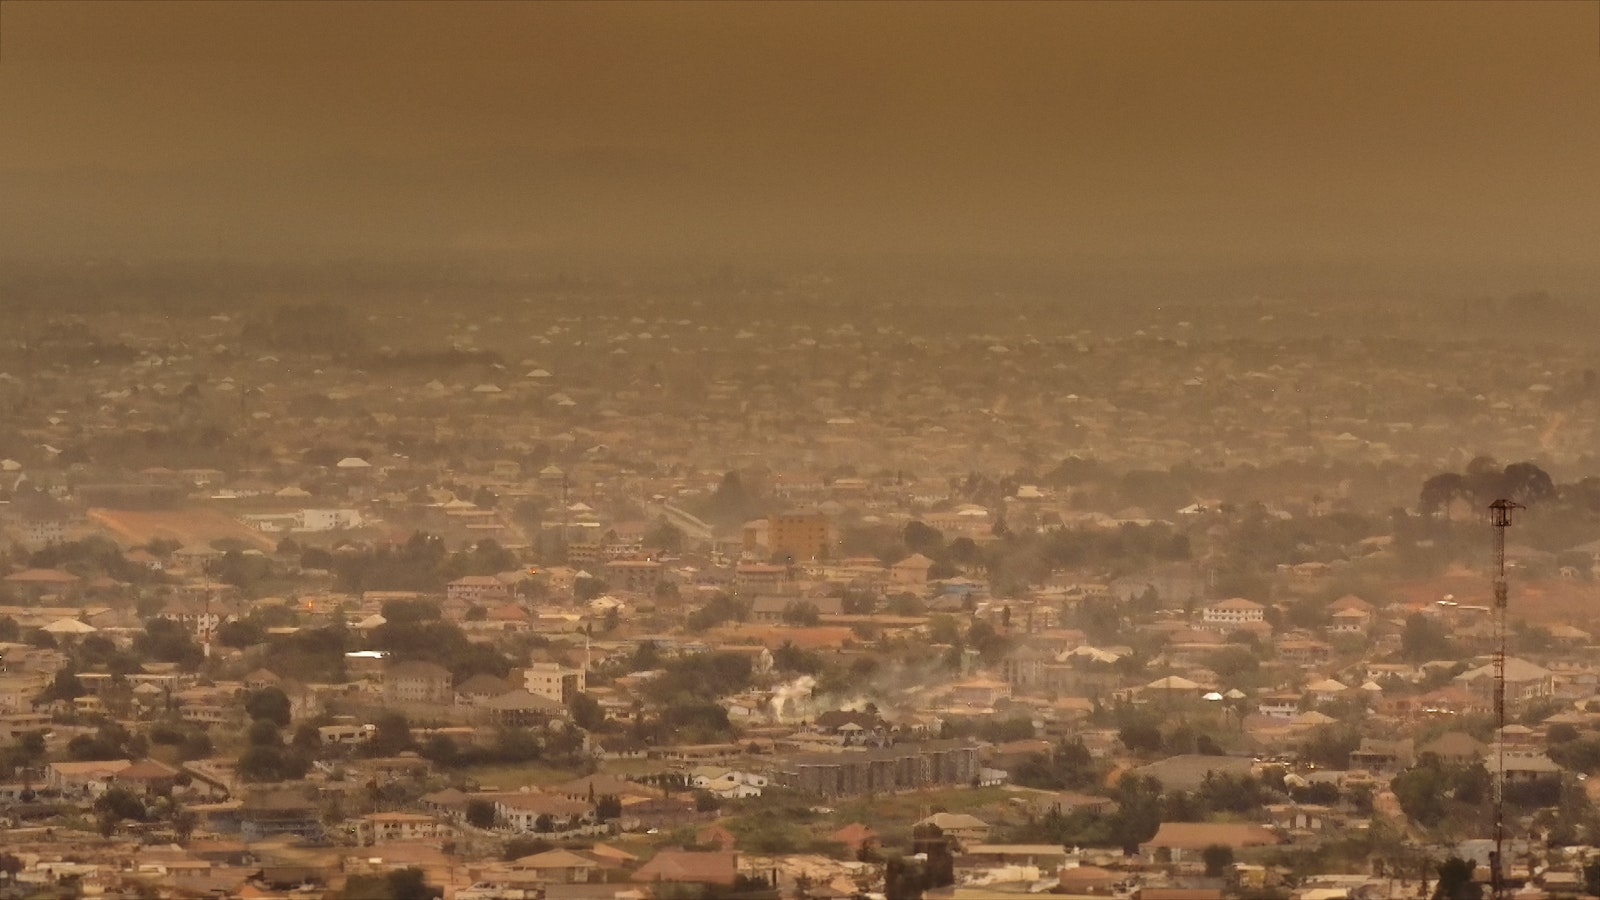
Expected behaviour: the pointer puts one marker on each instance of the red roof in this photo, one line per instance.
(853, 835)
(692, 866)
(42, 576)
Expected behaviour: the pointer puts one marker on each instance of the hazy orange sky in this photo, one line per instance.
(1412, 134)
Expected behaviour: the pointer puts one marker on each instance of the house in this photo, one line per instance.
(1234, 613)
(82, 778)
(901, 767)
(553, 682)
(480, 688)
(261, 679)
(772, 609)
(1279, 705)
(962, 827)
(1525, 767)
(1310, 817)
(1384, 757)
(39, 582)
(1524, 680)
(532, 812)
(636, 575)
(477, 589)
(855, 837)
(147, 776)
(1177, 841)
(1067, 802)
(729, 784)
(758, 578)
(521, 709)
(1188, 771)
(1327, 690)
(1349, 621)
(911, 571)
(383, 827)
(798, 536)
(417, 682)
(702, 868)
(268, 814)
(345, 734)
(1455, 748)
(557, 867)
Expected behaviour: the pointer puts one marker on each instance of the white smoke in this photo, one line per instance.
(791, 699)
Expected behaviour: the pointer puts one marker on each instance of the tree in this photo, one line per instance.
(270, 704)
(264, 733)
(922, 538)
(183, 824)
(1424, 639)
(1217, 857)
(116, 804)
(480, 813)
(1526, 483)
(441, 750)
(1141, 736)
(1330, 746)
(586, 711)
(391, 736)
(165, 640)
(65, 686)
(1456, 881)
(240, 633)
(801, 612)
(400, 884)
(1439, 492)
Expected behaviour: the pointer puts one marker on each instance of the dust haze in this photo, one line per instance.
(785, 451)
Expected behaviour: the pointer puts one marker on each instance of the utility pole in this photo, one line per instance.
(1500, 518)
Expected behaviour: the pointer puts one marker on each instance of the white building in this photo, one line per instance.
(1234, 613)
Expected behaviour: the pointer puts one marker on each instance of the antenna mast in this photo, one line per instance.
(1500, 518)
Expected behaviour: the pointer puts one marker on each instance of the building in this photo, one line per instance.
(799, 537)
(477, 589)
(1233, 613)
(1524, 680)
(699, 870)
(553, 682)
(416, 682)
(636, 575)
(901, 767)
(382, 827)
(911, 571)
(326, 519)
(759, 578)
(1177, 841)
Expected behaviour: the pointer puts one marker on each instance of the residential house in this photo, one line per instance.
(1233, 614)
(477, 589)
(84, 778)
(1177, 841)
(480, 688)
(1524, 680)
(960, 826)
(911, 572)
(553, 682)
(685, 870)
(1188, 771)
(417, 682)
(383, 827)
(1383, 757)
(557, 866)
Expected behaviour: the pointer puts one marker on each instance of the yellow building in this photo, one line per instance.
(799, 537)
